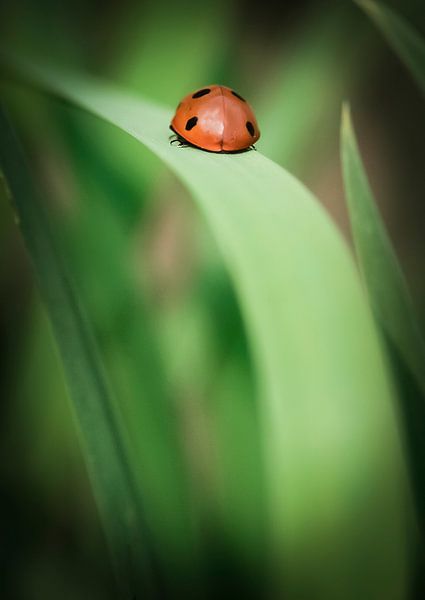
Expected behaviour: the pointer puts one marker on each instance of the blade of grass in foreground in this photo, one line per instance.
(381, 271)
(407, 43)
(101, 435)
(329, 428)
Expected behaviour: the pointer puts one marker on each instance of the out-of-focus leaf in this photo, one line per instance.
(103, 438)
(309, 79)
(406, 42)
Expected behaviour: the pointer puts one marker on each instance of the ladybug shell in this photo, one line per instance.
(217, 119)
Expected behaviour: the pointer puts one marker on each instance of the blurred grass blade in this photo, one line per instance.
(381, 271)
(99, 425)
(310, 79)
(406, 42)
(328, 422)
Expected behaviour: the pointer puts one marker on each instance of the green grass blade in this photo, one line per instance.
(329, 428)
(406, 42)
(101, 435)
(310, 79)
(381, 271)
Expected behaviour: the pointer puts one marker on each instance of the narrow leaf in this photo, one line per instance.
(381, 271)
(102, 436)
(406, 42)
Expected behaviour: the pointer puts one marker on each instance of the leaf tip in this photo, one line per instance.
(346, 122)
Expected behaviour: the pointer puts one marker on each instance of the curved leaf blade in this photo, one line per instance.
(406, 42)
(323, 385)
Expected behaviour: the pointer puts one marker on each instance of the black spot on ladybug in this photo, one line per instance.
(238, 96)
(201, 93)
(249, 126)
(191, 123)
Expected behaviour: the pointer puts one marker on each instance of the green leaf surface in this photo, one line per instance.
(334, 465)
(403, 38)
(385, 283)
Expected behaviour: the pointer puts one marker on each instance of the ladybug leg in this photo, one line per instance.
(253, 147)
(180, 143)
(175, 139)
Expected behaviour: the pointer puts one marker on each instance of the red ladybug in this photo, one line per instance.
(217, 119)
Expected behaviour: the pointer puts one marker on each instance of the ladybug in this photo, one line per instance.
(217, 119)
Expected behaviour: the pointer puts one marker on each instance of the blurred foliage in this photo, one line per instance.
(148, 271)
